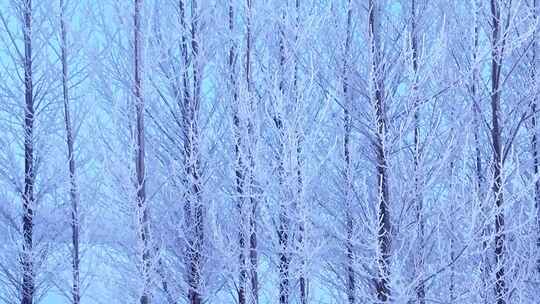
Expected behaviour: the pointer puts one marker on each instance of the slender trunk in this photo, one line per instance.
(479, 183)
(418, 197)
(253, 254)
(194, 221)
(142, 208)
(384, 226)
(475, 106)
(534, 131)
(304, 282)
(239, 166)
(28, 284)
(186, 128)
(283, 229)
(284, 222)
(452, 283)
(452, 287)
(283, 236)
(350, 273)
(73, 190)
(496, 65)
(300, 205)
(536, 167)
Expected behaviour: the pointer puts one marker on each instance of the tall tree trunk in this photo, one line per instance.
(253, 253)
(479, 175)
(240, 170)
(194, 210)
(383, 220)
(142, 207)
(418, 197)
(300, 206)
(496, 65)
(349, 223)
(534, 131)
(244, 175)
(304, 282)
(73, 189)
(452, 220)
(283, 231)
(284, 221)
(28, 284)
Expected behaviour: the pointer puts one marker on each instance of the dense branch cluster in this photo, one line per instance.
(280, 151)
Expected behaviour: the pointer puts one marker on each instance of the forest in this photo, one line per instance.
(277, 151)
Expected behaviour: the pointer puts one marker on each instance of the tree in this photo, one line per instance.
(417, 155)
(193, 205)
(534, 121)
(253, 254)
(140, 172)
(244, 166)
(351, 281)
(28, 287)
(73, 191)
(284, 226)
(497, 50)
(240, 172)
(377, 99)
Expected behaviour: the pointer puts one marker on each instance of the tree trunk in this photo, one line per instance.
(300, 207)
(28, 284)
(73, 190)
(479, 175)
(418, 197)
(384, 226)
(284, 256)
(253, 253)
(142, 207)
(194, 210)
(240, 172)
(283, 235)
(452, 288)
(284, 221)
(350, 272)
(534, 131)
(496, 65)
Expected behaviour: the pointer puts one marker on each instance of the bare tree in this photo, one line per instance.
(244, 166)
(73, 189)
(193, 205)
(351, 280)
(240, 167)
(253, 201)
(477, 134)
(498, 38)
(27, 263)
(418, 197)
(378, 100)
(534, 123)
(300, 207)
(284, 219)
(142, 205)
